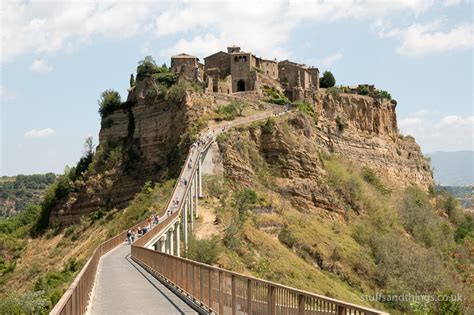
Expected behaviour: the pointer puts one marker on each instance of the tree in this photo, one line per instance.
(108, 102)
(146, 67)
(132, 80)
(327, 80)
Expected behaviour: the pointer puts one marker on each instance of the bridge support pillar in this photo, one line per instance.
(163, 244)
(191, 206)
(171, 233)
(178, 240)
(185, 223)
(200, 175)
(196, 192)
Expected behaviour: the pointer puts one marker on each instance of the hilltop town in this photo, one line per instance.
(237, 71)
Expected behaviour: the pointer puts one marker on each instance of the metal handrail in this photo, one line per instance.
(222, 291)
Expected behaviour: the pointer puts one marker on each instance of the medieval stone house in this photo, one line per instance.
(238, 71)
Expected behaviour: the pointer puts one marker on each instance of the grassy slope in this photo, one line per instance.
(46, 265)
(393, 246)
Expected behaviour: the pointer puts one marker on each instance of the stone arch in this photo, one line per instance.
(240, 86)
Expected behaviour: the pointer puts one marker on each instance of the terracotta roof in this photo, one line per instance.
(183, 55)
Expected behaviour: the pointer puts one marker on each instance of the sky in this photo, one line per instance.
(58, 56)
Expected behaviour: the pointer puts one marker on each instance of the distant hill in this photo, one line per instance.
(16, 192)
(453, 168)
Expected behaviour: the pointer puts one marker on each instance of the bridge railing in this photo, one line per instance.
(225, 292)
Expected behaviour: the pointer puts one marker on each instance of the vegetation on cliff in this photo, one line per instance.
(365, 234)
(19, 191)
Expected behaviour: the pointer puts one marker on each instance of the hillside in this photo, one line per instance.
(329, 198)
(453, 168)
(16, 192)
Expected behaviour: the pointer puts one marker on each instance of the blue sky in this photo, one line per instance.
(57, 57)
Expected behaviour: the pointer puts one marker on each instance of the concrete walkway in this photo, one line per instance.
(124, 287)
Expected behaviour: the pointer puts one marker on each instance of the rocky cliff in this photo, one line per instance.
(145, 139)
(359, 128)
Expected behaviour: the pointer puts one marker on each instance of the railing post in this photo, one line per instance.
(249, 296)
(271, 300)
(301, 304)
(341, 310)
(221, 294)
(210, 287)
(234, 302)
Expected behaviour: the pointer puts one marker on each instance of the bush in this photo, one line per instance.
(177, 92)
(287, 238)
(243, 200)
(385, 94)
(205, 251)
(306, 108)
(370, 177)
(275, 96)
(341, 124)
(269, 126)
(147, 67)
(363, 90)
(166, 77)
(230, 111)
(327, 80)
(108, 102)
(334, 91)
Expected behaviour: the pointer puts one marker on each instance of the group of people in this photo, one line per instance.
(134, 234)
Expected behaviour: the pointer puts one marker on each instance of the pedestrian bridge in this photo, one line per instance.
(150, 277)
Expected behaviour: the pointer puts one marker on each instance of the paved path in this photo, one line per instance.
(124, 287)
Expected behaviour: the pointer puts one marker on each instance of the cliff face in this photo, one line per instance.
(371, 138)
(291, 151)
(152, 133)
(145, 136)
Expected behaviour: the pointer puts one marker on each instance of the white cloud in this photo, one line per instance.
(41, 66)
(6, 95)
(419, 40)
(330, 60)
(49, 26)
(39, 133)
(435, 133)
(263, 27)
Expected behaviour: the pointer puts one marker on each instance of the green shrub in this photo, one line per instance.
(109, 101)
(147, 67)
(363, 90)
(206, 251)
(177, 92)
(287, 238)
(385, 94)
(306, 108)
(268, 126)
(341, 124)
(370, 177)
(275, 96)
(334, 91)
(465, 229)
(166, 78)
(230, 111)
(233, 235)
(415, 208)
(243, 200)
(327, 80)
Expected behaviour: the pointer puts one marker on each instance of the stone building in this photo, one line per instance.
(238, 71)
(297, 78)
(187, 67)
